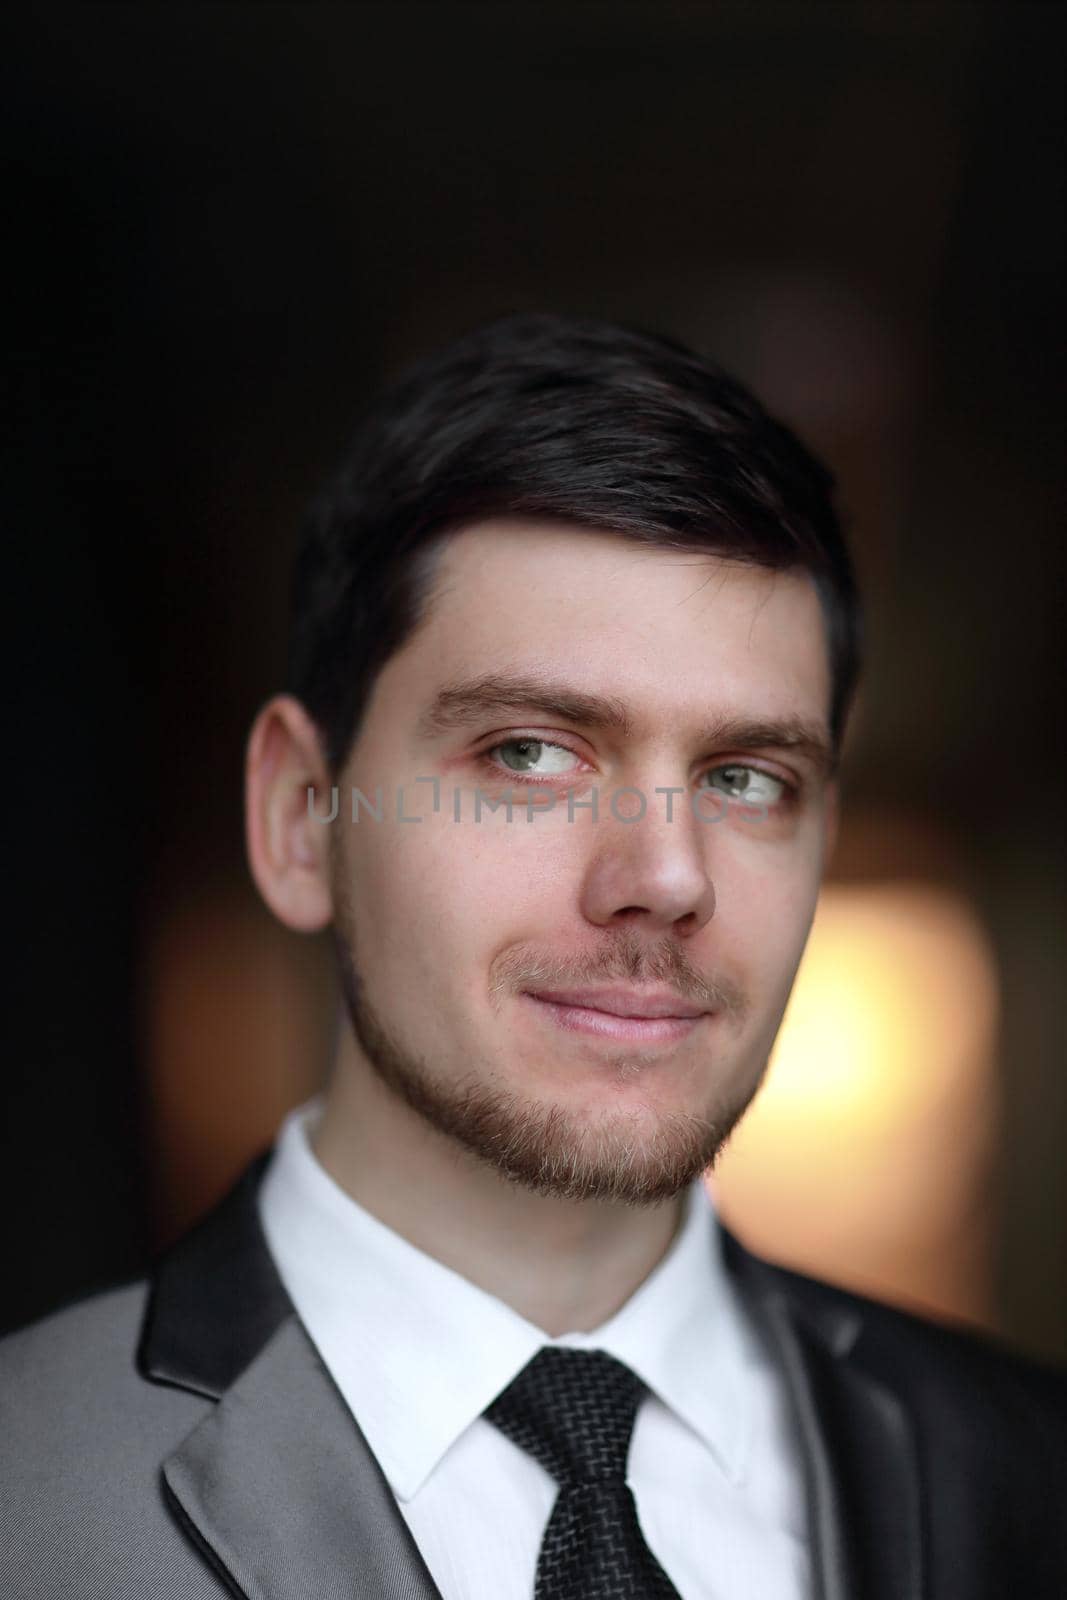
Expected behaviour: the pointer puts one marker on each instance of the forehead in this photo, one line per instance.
(669, 632)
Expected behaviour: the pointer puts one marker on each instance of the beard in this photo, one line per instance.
(637, 1158)
(631, 1157)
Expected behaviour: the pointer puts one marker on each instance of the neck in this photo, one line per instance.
(564, 1265)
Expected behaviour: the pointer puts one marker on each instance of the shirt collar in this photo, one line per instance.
(419, 1352)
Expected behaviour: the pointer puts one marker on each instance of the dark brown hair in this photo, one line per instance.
(561, 418)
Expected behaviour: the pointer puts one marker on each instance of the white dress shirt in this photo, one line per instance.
(419, 1351)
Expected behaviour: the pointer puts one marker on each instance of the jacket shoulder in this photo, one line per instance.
(99, 1324)
(54, 1365)
(83, 1435)
(74, 1408)
(955, 1374)
(73, 1376)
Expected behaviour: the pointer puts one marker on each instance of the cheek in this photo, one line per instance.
(433, 901)
(763, 914)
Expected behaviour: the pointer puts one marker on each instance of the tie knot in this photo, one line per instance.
(573, 1411)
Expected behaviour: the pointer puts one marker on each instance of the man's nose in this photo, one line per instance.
(649, 866)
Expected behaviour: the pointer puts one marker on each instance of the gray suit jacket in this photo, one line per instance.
(181, 1437)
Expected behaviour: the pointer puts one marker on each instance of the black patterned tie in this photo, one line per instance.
(574, 1411)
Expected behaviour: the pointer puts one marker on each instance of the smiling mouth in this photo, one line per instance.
(597, 1022)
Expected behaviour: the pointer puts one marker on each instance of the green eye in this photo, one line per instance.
(750, 784)
(535, 756)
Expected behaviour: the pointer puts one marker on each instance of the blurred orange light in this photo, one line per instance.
(866, 1154)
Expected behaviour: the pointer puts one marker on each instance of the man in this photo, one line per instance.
(575, 637)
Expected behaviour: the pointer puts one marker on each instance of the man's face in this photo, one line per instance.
(449, 930)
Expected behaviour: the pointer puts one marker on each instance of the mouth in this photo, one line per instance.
(618, 1015)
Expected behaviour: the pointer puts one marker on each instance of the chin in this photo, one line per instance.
(633, 1149)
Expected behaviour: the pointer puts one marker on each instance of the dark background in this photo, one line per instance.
(225, 224)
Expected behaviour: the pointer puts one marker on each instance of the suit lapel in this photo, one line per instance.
(857, 1442)
(277, 1485)
(280, 1486)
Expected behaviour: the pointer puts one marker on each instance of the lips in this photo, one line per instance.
(629, 1003)
(620, 1016)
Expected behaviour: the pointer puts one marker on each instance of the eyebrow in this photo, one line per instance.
(465, 703)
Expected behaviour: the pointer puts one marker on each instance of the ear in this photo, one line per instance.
(288, 846)
(832, 819)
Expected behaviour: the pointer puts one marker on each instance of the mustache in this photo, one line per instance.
(625, 958)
